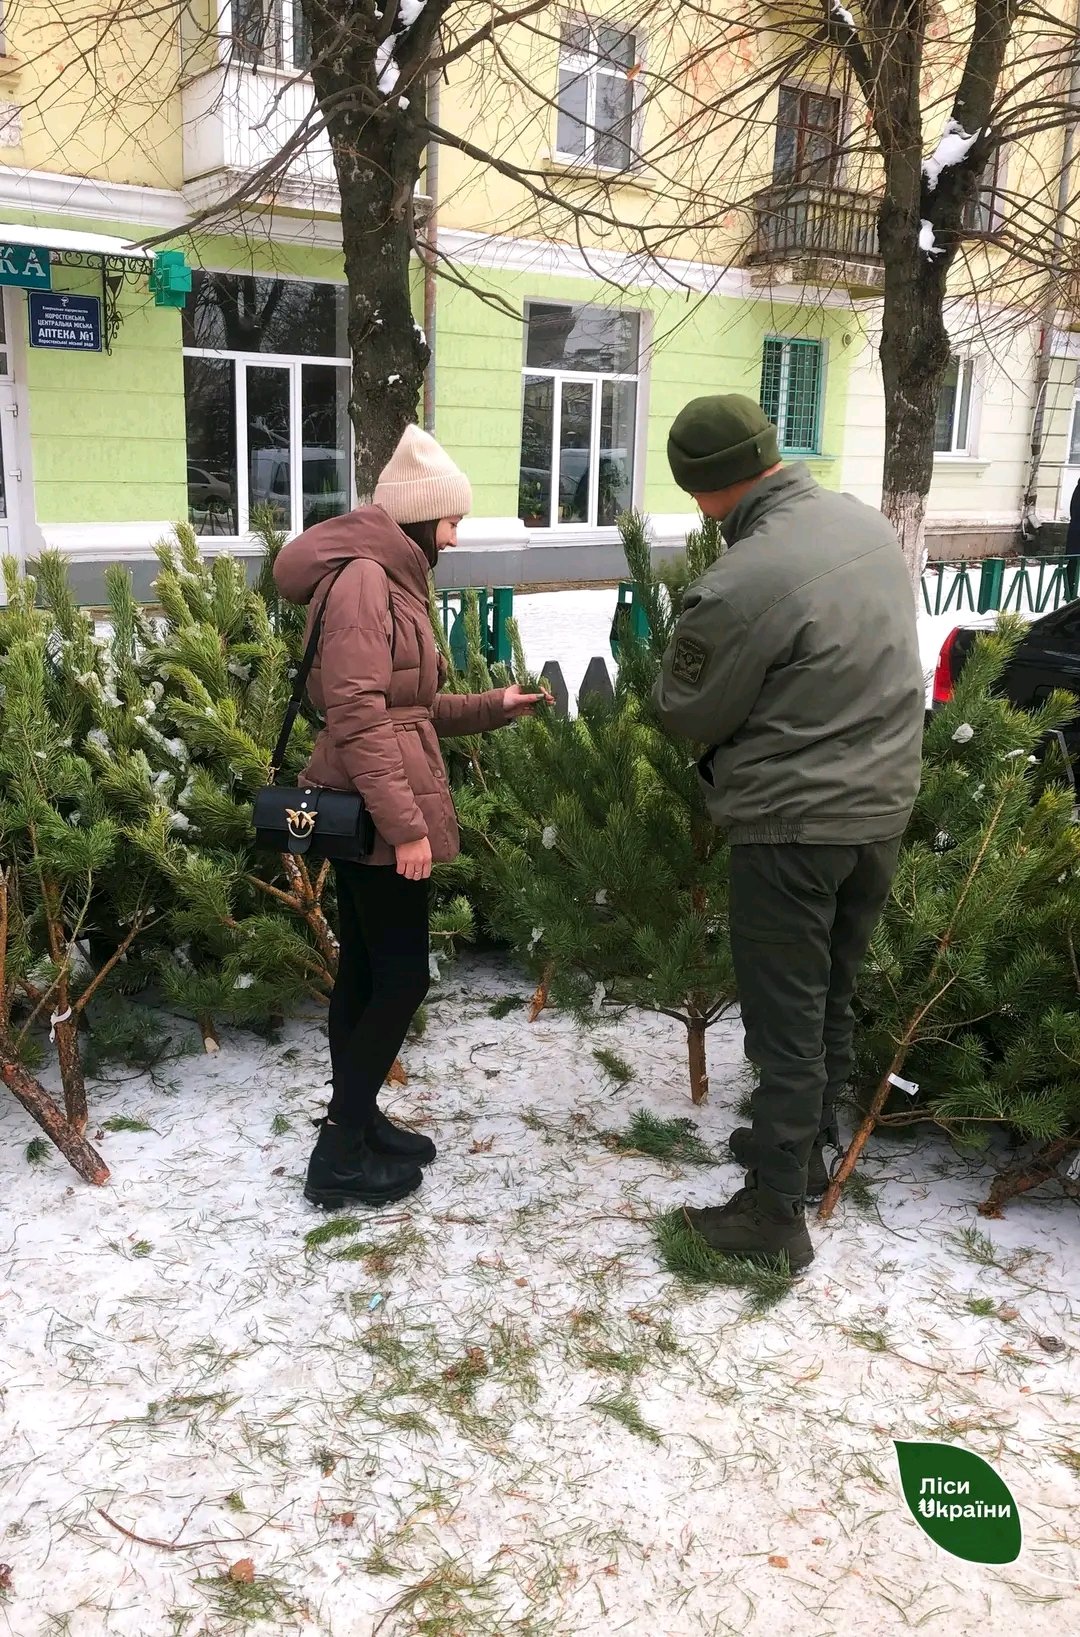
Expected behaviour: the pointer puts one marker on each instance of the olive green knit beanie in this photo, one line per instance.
(715, 442)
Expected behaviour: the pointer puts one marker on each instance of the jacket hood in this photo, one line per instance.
(303, 564)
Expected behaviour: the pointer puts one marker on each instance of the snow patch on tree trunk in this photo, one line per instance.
(907, 514)
(953, 149)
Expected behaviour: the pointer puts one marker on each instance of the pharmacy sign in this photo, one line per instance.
(25, 266)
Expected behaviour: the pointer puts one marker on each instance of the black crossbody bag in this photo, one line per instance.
(308, 821)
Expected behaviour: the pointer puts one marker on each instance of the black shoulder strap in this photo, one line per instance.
(300, 681)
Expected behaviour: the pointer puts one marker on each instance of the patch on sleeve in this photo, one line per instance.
(689, 661)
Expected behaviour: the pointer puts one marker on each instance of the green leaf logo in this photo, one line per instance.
(960, 1502)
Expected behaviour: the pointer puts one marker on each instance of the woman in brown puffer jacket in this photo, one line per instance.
(376, 680)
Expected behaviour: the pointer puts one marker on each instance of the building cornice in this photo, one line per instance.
(47, 194)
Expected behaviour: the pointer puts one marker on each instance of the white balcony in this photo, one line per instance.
(237, 121)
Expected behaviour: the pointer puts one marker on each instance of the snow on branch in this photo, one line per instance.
(927, 242)
(386, 69)
(842, 15)
(385, 66)
(953, 149)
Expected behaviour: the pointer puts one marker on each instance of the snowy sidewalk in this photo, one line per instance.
(574, 626)
(535, 1432)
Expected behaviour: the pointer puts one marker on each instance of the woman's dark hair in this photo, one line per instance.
(423, 534)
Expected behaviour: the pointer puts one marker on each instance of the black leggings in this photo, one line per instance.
(382, 979)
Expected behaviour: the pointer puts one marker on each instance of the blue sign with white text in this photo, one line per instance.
(70, 323)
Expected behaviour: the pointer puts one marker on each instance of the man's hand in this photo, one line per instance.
(414, 859)
(519, 703)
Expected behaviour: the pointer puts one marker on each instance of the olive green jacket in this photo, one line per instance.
(796, 660)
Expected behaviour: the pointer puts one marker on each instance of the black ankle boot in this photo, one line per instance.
(741, 1144)
(394, 1140)
(345, 1170)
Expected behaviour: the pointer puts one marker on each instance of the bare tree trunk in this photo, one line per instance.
(914, 354)
(862, 1136)
(699, 1069)
(1040, 1168)
(540, 994)
(37, 1102)
(71, 1073)
(377, 143)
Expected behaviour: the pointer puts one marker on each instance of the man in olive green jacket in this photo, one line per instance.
(796, 662)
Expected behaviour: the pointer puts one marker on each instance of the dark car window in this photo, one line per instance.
(1063, 626)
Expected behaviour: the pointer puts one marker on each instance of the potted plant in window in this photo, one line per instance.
(531, 503)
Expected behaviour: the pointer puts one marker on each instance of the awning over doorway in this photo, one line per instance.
(66, 239)
(114, 260)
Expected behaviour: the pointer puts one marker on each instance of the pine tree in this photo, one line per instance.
(66, 882)
(971, 988)
(603, 868)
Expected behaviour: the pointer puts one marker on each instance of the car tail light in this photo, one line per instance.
(945, 676)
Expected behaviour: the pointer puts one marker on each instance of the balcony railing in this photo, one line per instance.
(799, 221)
(237, 120)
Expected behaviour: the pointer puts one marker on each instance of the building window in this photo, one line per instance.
(984, 212)
(598, 69)
(579, 415)
(952, 429)
(1074, 435)
(791, 384)
(266, 388)
(271, 33)
(807, 136)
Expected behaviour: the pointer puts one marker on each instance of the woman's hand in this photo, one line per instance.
(517, 702)
(414, 859)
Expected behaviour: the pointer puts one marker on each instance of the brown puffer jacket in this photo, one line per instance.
(376, 679)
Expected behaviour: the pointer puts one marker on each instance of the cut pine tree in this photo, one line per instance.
(600, 864)
(967, 1002)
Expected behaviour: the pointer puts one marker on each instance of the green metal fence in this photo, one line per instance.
(1028, 585)
(495, 607)
(629, 615)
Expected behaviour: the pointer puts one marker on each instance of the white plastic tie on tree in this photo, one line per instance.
(601, 897)
(910, 1086)
(599, 996)
(58, 1017)
(537, 934)
(964, 734)
(433, 966)
(549, 837)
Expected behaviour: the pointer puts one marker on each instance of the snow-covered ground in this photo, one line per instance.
(573, 626)
(535, 1431)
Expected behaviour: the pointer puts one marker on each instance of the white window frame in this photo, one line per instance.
(591, 66)
(558, 376)
(280, 60)
(1073, 437)
(966, 450)
(279, 360)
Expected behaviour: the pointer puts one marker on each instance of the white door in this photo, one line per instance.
(10, 443)
(1070, 473)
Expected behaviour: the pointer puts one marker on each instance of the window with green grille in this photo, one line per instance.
(791, 393)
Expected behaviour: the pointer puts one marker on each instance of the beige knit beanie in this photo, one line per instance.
(420, 483)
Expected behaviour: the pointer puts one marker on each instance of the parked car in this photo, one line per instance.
(1047, 658)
